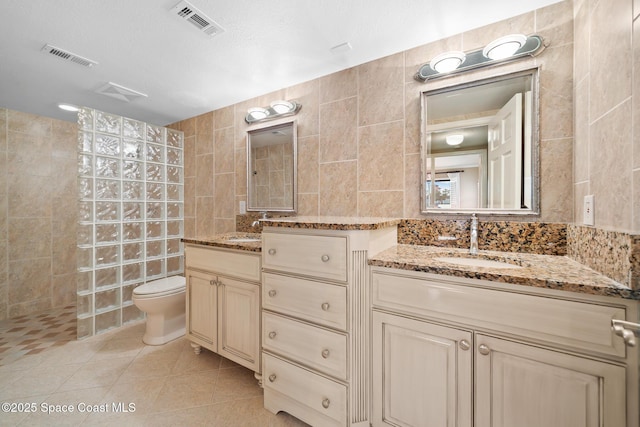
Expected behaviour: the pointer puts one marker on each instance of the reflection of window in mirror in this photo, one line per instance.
(479, 150)
(271, 168)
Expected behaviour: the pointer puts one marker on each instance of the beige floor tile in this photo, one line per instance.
(189, 362)
(97, 374)
(151, 365)
(77, 402)
(37, 381)
(186, 391)
(119, 347)
(236, 383)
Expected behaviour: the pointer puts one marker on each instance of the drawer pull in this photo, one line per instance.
(626, 330)
(325, 306)
(464, 344)
(272, 293)
(272, 251)
(325, 353)
(324, 258)
(272, 334)
(272, 377)
(325, 403)
(484, 350)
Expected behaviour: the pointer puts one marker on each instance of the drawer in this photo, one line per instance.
(220, 261)
(318, 348)
(316, 302)
(313, 391)
(580, 325)
(317, 256)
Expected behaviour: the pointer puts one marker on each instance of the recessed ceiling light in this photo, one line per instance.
(455, 139)
(69, 107)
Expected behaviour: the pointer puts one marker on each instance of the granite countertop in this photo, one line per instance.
(542, 271)
(331, 222)
(226, 240)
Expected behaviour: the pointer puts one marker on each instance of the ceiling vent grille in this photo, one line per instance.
(120, 92)
(201, 21)
(68, 56)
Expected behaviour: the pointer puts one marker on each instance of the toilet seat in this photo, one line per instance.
(160, 287)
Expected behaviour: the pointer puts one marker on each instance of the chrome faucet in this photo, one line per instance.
(473, 246)
(257, 221)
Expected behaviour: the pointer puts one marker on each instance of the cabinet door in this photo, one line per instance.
(201, 308)
(526, 386)
(239, 322)
(422, 373)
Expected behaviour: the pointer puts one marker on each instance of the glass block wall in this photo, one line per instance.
(131, 209)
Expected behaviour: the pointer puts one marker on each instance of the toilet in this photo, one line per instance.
(164, 302)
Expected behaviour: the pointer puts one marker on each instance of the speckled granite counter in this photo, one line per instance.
(543, 271)
(230, 241)
(331, 222)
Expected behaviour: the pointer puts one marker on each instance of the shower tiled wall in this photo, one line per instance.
(131, 191)
(37, 213)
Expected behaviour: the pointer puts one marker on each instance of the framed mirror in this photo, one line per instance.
(272, 168)
(480, 146)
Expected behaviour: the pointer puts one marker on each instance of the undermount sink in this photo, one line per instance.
(243, 239)
(476, 262)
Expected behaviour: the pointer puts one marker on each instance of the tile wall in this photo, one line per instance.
(607, 115)
(359, 133)
(37, 213)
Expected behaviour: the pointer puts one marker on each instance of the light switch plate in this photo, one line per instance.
(588, 210)
(243, 207)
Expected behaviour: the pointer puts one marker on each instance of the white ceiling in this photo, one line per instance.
(266, 45)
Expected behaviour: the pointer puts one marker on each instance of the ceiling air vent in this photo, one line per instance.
(201, 21)
(120, 92)
(68, 56)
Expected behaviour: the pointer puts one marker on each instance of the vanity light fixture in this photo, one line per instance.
(68, 107)
(275, 110)
(454, 139)
(447, 61)
(503, 49)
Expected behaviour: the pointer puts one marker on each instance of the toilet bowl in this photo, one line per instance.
(164, 302)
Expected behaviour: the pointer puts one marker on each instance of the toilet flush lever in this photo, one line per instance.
(627, 330)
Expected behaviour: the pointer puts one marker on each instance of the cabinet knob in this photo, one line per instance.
(484, 350)
(212, 282)
(272, 377)
(325, 403)
(272, 251)
(464, 344)
(325, 306)
(272, 334)
(324, 258)
(272, 293)
(325, 353)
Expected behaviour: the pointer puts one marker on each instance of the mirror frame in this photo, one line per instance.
(294, 173)
(535, 144)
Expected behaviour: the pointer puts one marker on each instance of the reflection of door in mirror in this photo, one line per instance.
(271, 163)
(478, 146)
(505, 156)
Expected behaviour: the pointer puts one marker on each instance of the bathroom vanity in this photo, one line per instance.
(223, 298)
(494, 346)
(316, 316)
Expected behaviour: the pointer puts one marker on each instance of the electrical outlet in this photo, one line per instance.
(243, 207)
(588, 211)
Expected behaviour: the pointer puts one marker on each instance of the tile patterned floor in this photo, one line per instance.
(32, 334)
(166, 385)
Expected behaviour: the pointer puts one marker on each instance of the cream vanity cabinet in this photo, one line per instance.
(465, 352)
(223, 302)
(315, 315)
